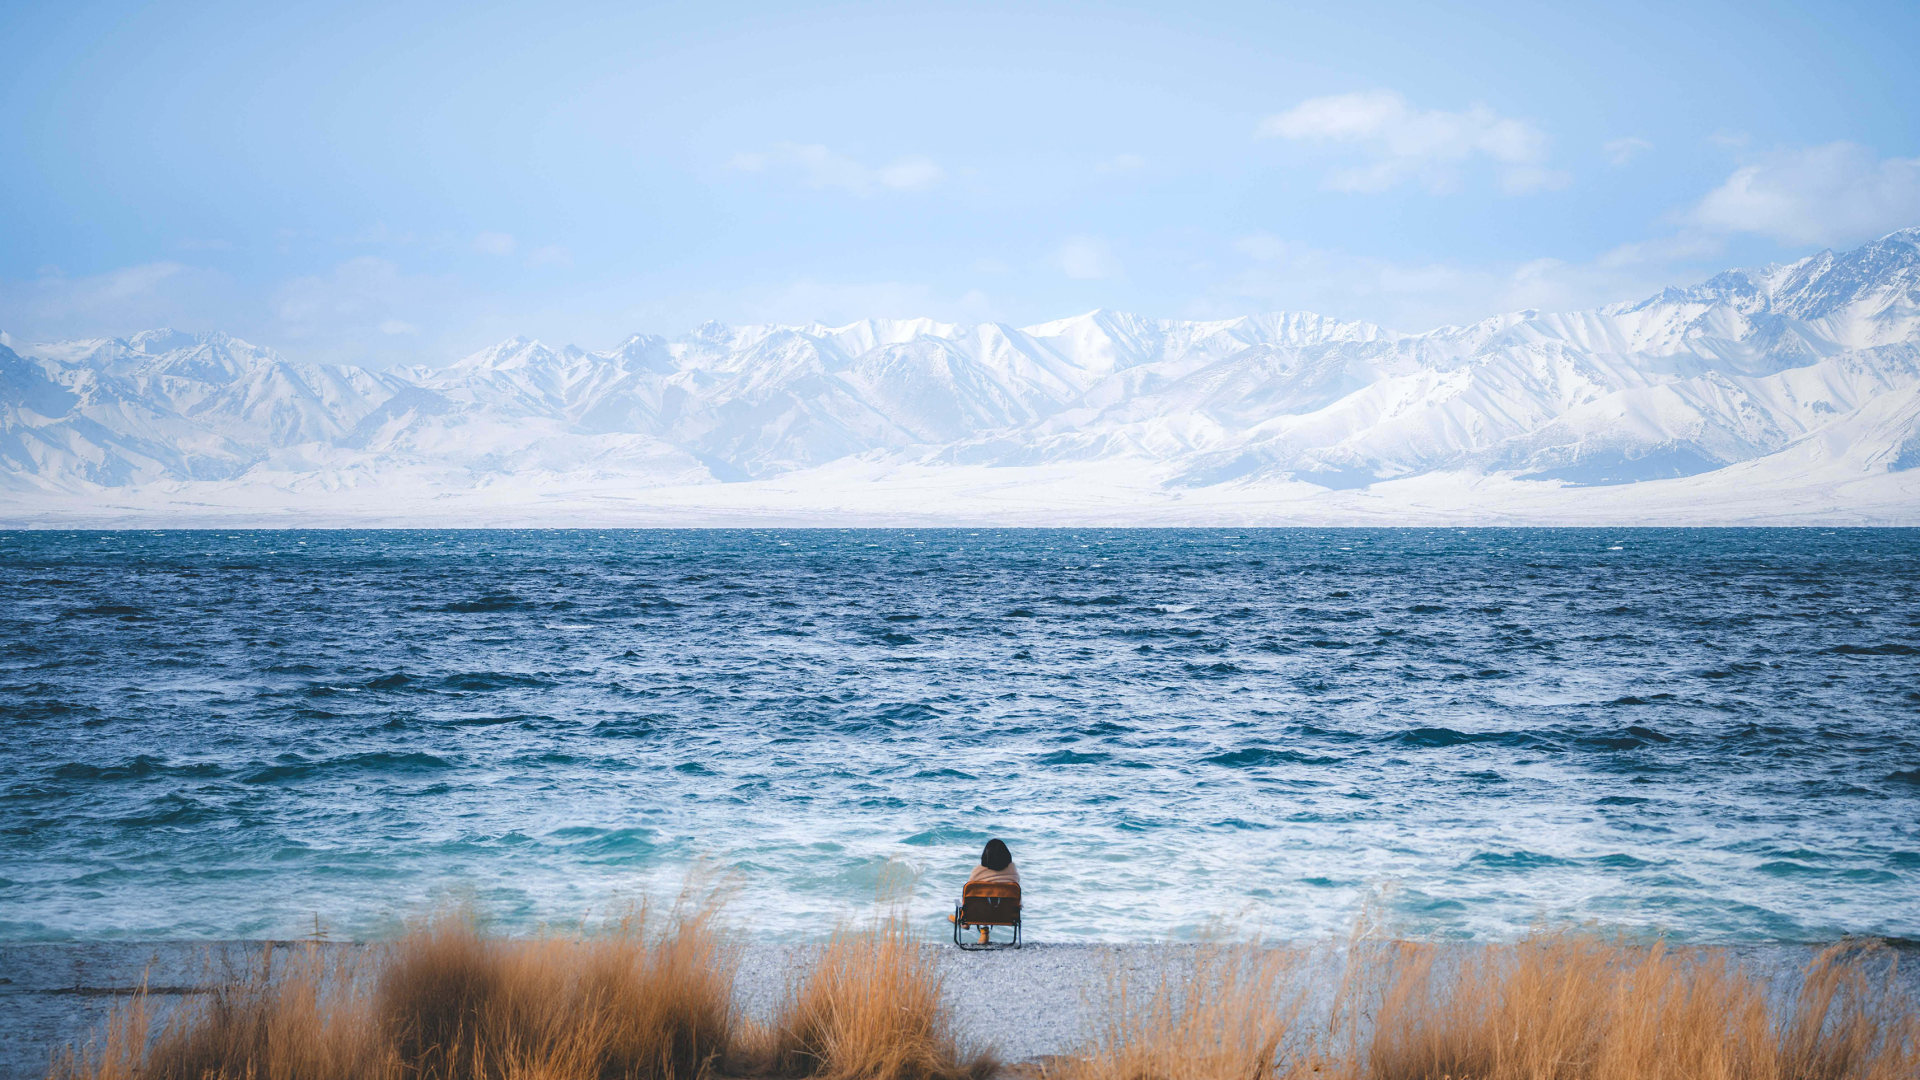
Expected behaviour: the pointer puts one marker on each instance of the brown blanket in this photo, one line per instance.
(1009, 876)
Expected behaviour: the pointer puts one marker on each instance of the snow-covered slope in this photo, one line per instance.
(1805, 375)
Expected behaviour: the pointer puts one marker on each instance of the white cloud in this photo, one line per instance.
(118, 286)
(119, 301)
(1406, 143)
(1262, 247)
(1415, 296)
(820, 167)
(353, 306)
(1087, 258)
(1121, 163)
(377, 234)
(493, 243)
(1621, 151)
(1684, 247)
(371, 310)
(1527, 179)
(839, 303)
(1835, 194)
(909, 174)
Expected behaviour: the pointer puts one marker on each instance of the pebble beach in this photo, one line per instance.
(1023, 1005)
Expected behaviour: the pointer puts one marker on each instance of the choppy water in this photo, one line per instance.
(1712, 732)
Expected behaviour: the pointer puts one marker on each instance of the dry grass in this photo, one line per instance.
(1560, 1006)
(870, 1009)
(1574, 1007)
(450, 1003)
(1228, 1020)
(290, 1016)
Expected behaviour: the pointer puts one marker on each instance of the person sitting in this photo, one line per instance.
(996, 868)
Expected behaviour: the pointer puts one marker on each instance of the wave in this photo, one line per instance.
(372, 706)
(170, 809)
(1072, 757)
(378, 762)
(486, 681)
(493, 602)
(1519, 861)
(1635, 737)
(1261, 756)
(947, 836)
(637, 727)
(607, 844)
(1437, 737)
(138, 767)
(107, 611)
(1888, 649)
(943, 774)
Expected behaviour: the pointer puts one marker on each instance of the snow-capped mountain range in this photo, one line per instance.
(1800, 382)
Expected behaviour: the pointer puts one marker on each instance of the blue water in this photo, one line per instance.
(1713, 733)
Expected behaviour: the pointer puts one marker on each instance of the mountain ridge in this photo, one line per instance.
(1735, 370)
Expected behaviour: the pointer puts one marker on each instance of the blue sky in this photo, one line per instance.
(390, 182)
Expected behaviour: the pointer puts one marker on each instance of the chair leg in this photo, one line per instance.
(985, 932)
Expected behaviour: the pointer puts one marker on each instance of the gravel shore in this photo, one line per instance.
(1023, 1004)
(1026, 1004)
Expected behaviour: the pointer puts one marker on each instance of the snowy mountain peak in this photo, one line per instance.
(644, 353)
(867, 334)
(1307, 328)
(166, 340)
(1882, 273)
(1812, 365)
(163, 352)
(516, 354)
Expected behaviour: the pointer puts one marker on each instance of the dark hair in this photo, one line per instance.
(996, 856)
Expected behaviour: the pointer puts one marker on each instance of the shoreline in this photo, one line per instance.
(1024, 1005)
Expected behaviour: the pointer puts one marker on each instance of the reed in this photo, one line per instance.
(1229, 1017)
(651, 999)
(1568, 1006)
(291, 1014)
(870, 1009)
(1556, 1006)
(447, 1002)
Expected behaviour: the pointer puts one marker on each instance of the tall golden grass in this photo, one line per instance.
(870, 1009)
(1556, 1006)
(652, 1000)
(1229, 1016)
(1571, 1007)
(447, 1002)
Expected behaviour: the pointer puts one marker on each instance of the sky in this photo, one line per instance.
(406, 182)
